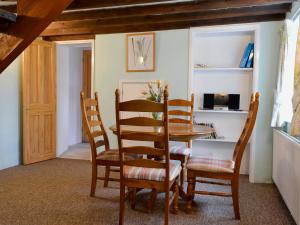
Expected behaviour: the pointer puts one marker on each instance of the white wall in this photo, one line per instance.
(10, 123)
(172, 66)
(69, 85)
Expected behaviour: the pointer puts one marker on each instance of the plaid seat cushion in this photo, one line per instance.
(180, 150)
(142, 173)
(210, 165)
(111, 155)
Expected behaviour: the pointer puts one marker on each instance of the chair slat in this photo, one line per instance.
(146, 163)
(179, 120)
(179, 113)
(144, 150)
(97, 133)
(94, 123)
(92, 113)
(141, 121)
(140, 105)
(180, 102)
(142, 136)
(90, 102)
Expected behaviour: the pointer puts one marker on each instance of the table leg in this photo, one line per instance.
(152, 200)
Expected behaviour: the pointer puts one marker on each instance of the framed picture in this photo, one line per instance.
(140, 52)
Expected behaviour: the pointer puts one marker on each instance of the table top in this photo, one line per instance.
(176, 131)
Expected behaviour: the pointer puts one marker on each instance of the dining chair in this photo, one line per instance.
(178, 115)
(226, 170)
(145, 173)
(94, 129)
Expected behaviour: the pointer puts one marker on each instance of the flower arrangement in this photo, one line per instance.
(155, 94)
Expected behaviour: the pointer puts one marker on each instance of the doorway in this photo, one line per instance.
(74, 73)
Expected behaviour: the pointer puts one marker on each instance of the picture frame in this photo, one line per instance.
(140, 52)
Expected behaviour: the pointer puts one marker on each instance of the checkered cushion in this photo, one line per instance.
(142, 173)
(111, 155)
(210, 165)
(180, 150)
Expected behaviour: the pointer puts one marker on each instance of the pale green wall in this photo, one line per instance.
(172, 66)
(10, 115)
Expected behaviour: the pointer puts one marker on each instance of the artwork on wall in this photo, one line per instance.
(140, 52)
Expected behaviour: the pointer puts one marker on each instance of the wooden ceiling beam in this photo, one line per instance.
(87, 4)
(92, 4)
(33, 17)
(70, 37)
(184, 24)
(90, 26)
(167, 8)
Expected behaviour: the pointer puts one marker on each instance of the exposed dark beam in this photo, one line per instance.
(70, 37)
(33, 19)
(89, 26)
(185, 24)
(181, 24)
(179, 7)
(88, 4)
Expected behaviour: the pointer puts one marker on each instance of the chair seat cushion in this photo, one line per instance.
(210, 165)
(155, 174)
(180, 150)
(111, 155)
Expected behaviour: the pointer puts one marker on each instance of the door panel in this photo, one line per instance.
(39, 102)
(86, 80)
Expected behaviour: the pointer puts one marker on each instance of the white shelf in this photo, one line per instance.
(221, 111)
(224, 140)
(222, 69)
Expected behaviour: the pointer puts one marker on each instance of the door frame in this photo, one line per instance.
(90, 41)
(76, 42)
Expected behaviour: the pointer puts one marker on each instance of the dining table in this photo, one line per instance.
(177, 132)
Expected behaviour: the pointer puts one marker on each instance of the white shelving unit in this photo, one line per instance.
(221, 111)
(222, 69)
(221, 49)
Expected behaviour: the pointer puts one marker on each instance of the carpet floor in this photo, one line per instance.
(56, 192)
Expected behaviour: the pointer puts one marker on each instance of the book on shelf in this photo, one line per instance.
(250, 59)
(247, 53)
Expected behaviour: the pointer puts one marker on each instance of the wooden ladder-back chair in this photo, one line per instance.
(177, 115)
(97, 137)
(222, 169)
(143, 172)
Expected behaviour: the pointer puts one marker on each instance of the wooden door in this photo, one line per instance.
(39, 102)
(86, 79)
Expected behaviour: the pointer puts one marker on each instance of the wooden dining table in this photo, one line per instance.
(177, 132)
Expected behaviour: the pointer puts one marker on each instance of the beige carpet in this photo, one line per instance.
(56, 192)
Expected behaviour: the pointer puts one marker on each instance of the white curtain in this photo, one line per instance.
(283, 109)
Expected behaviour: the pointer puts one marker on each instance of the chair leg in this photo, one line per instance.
(182, 174)
(94, 180)
(175, 201)
(167, 207)
(107, 171)
(122, 204)
(152, 200)
(235, 198)
(190, 193)
(133, 198)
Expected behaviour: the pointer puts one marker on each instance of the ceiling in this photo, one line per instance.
(85, 18)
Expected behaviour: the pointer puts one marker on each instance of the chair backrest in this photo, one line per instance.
(146, 129)
(92, 124)
(246, 133)
(178, 115)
